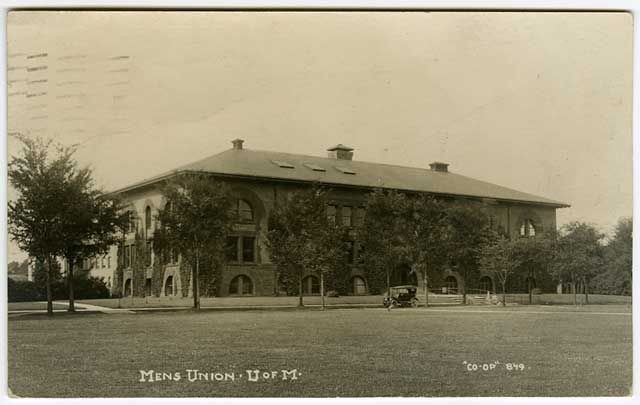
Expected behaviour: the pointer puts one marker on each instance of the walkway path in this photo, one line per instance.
(80, 307)
(89, 307)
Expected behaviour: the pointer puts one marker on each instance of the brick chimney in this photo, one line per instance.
(237, 143)
(341, 152)
(439, 167)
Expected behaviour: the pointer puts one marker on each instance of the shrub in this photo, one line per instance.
(20, 291)
(83, 288)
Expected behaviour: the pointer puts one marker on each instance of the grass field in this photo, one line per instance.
(565, 351)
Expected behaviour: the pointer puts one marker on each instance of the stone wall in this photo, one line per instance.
(263, 195)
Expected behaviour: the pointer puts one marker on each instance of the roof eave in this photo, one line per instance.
(266, 178)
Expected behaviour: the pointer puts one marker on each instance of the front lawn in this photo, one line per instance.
(351, 352)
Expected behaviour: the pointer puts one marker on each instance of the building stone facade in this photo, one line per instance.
(256, 190)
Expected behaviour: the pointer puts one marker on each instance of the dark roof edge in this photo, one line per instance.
(168, 175)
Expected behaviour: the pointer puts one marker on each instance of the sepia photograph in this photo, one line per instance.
(319, 203)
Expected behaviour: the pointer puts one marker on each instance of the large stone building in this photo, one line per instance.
(260, 178)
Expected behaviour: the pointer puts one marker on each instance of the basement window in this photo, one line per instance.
(345, 170)
(283, 164)
(315, 168)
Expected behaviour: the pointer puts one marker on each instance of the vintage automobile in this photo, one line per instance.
(401, 296)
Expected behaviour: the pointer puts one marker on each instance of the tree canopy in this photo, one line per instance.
(501, 257)
(385, 236)
(579, 254)
(195, 222)
(302, 239)
(617, 275)
(467, 231)
(58, 212)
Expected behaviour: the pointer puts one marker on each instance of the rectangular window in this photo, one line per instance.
(127, 256)
(232, 249)
(359, 217)
(331, 213)
(109, 261)
(132, 223)
(346, 215)
(133, 255)
(102, 262)
(248, 250)
(350, 252)
(360, 254)
(149, 253)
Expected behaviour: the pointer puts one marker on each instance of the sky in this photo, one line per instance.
(539, 102)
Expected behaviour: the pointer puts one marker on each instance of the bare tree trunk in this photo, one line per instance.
(504, 293)
(464, 295)
(48, 284)
(196, 286)
(426, 290)
(575, 292)
(133, 276)
(586, 293)
(300, 301)
(322, 289)
(70, 261)
(530, 290)
(389, 289)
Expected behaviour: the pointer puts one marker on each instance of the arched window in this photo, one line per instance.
(243, 211)
(485, 284)
(241, 285)
(451, 285)
(527, 228)
(168, 286)
(310, 285)
(359, 286)
(147, 218)
(127, 288)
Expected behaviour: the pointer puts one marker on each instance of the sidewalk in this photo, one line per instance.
(131, 305)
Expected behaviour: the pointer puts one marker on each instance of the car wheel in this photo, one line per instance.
(414, 303)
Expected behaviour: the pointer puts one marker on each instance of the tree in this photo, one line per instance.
(467, 230)
(302, 239)
(617, 277)
(384, 236)
(578, 256)
(195, 222)
(535, 255)
(92, 222)
(35, 218)
(499, 257)
(425, 236)
(19, 268)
